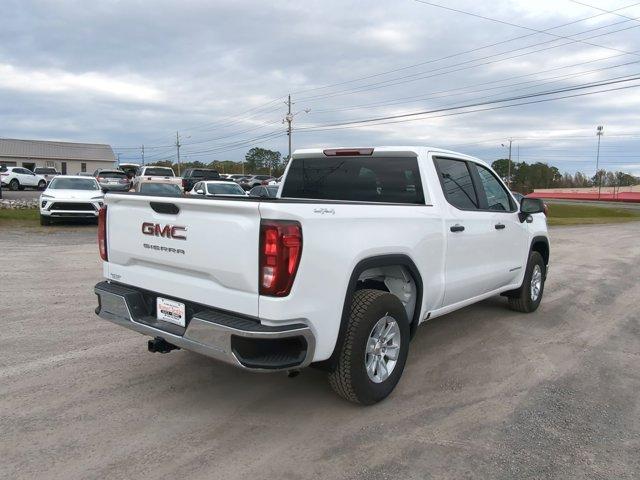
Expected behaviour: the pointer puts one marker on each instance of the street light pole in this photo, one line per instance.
(599, 133)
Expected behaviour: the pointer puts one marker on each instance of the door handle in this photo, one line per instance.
(457, 228)
(499, 226)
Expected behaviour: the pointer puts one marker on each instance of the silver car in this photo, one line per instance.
(113, 180)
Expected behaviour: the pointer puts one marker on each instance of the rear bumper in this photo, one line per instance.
(233, 339)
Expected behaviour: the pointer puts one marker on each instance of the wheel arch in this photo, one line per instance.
(362, 266)
(540, 244)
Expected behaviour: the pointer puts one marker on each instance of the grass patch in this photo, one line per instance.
(560, 214)
(28, 215)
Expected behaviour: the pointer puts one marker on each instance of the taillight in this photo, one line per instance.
(102, 233)
(280, 252)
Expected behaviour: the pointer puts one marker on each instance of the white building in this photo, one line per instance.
(66, 157)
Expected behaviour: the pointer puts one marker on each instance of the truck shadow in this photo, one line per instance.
(441, 348)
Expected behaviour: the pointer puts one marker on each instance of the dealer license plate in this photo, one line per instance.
(171, 311)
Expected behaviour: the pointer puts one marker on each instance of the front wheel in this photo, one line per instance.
(44, 221)
(528, 297)
(14, 185)
(374, 349)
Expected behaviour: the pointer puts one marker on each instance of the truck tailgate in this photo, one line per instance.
(215, 264)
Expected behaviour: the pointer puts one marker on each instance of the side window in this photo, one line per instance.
(497, 196)
(457, 184)
(83, 167)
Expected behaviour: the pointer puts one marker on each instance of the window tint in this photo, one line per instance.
(361, 179)
(160, 189)
(65, 183)
(457, 184)
(158, 172)
(497, 196)
(112, 175)
(224, 189)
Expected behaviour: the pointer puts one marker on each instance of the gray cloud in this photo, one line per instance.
(133, 72)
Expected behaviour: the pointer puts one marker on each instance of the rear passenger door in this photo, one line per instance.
(470, 268)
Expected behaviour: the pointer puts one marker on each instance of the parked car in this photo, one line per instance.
(159, 189)
(265, 191)
(19, 178)
(254, 181)
(146, 174)
(84, 174)
(194, 175)
(275, 181)
(129, 168)
(112, 180)
(69, 196)
(49, 173)
(362, 246)
(220, 187)
(236, 177)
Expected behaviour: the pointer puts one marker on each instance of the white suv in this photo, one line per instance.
(18, 178)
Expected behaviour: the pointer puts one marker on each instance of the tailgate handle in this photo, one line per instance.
(168, 208)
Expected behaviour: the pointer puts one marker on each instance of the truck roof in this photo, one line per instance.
(386, 150)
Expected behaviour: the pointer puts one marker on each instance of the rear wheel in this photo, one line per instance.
(14, 184)
(374, 349)
(528, 297)
(42, 185)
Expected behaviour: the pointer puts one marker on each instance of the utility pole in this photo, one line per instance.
(142, 148)
(178, 150)
(509, 163)
(599, 133)
(289, 119)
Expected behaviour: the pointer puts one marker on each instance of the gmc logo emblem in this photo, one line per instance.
(167, 231)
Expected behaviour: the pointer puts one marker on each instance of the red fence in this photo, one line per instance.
(633, 197)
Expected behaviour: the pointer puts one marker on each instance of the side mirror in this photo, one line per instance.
(529, 206)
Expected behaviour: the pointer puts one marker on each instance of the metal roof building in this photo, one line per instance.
(65, 157)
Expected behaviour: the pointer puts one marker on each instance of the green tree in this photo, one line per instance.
(262, 160)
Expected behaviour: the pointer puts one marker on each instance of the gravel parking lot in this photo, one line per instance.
(487, 393)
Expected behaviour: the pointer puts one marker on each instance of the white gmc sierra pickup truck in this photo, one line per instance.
(360, 247)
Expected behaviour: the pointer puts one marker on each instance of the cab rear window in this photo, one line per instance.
(359, 179)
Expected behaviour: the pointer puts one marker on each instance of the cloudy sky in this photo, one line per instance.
(129, 73)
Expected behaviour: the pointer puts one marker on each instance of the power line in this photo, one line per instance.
(407, 67)
(461, 90)
(504, 22)
(464, 65)
(615, 80)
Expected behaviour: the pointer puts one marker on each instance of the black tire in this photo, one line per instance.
(520, 300)
(350, 379)
(44, 221)
(42, 185)
(14, 185)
